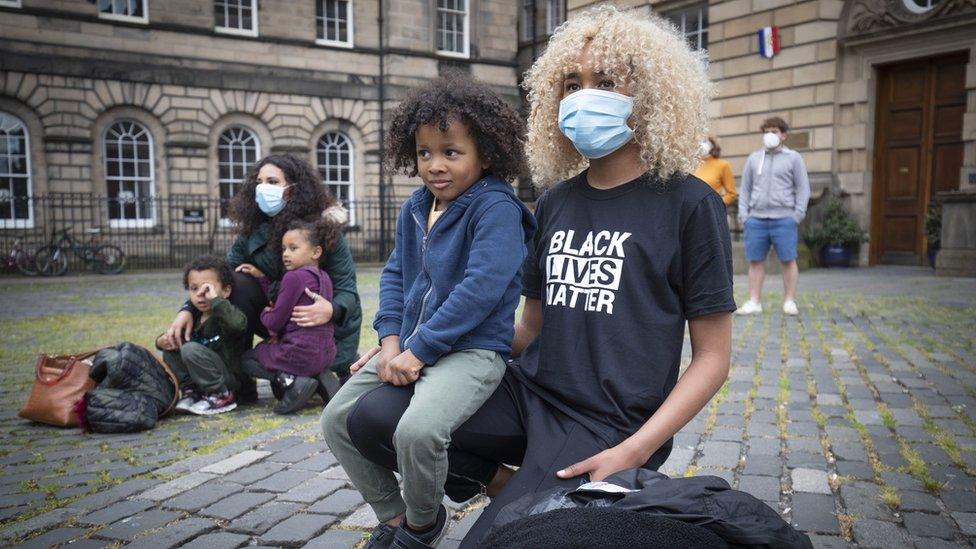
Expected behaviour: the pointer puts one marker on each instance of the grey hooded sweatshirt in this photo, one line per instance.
(774, 185)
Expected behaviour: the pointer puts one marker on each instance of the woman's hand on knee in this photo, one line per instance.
(317, 313)
(363, 360)
(179, 331)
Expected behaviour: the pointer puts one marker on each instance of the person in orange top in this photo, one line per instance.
(716, 172)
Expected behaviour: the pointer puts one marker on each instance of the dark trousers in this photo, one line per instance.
(196, 365)
(250, 299)
(251, 366)
(515, 426)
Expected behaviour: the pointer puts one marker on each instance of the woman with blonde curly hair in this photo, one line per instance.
(629, 248)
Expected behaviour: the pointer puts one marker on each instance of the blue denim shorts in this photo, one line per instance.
(763, 233)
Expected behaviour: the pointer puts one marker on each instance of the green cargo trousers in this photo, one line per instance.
(195, 364)
(445, 396)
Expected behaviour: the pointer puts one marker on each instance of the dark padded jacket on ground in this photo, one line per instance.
(134, 390)
(735, 516)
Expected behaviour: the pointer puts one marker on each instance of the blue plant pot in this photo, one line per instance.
(932, 253)
(836, 256)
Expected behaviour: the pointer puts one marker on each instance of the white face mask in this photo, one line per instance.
(770, 140)
(706, 148)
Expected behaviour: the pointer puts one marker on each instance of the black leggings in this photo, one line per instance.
(515, 426)
(248, 296)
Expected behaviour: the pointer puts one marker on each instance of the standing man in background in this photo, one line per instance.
(773, 198)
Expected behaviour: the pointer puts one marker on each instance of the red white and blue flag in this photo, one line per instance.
(768, 41)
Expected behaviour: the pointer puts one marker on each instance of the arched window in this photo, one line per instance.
(15, 177)
(129, 175)
(238, 149)
(334, 159)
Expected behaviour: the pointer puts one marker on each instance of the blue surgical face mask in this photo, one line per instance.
(270, 198)
(596, 121)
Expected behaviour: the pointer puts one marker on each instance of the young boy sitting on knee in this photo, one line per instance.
(207, 366)
(448, 296)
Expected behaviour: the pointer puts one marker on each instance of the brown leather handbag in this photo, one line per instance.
(60, 382)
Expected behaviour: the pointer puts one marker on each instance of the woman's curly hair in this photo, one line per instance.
(669, 83)
(496, 127)
(305, 200)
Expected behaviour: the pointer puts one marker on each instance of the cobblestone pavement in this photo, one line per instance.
(856, 420)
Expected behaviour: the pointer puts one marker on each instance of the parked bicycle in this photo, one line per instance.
(20, 259)
(52, 259)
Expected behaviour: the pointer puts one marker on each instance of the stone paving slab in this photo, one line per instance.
(856, 421)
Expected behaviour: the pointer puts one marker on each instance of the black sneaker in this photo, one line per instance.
(405, 538)
(381, 537)
(279, 383)
(329, 385)
(296, 395)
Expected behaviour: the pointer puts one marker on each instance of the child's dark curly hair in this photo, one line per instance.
(213, 263)
(317, 233)
(496, 127)
(305, 199)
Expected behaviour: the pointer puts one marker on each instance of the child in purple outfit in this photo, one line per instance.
(293, 356)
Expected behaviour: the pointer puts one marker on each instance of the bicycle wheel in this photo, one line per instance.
(51, 261)
(25, 263)
(109, 259)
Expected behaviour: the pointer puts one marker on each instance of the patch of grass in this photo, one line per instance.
(886, 418)
(889, 496)
(253, 427)
(846, 522)
(918, 468)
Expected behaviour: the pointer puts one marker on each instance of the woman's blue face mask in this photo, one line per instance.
(596, 121)
(270, 198)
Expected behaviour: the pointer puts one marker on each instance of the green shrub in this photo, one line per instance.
(933, 225)
(836, 228)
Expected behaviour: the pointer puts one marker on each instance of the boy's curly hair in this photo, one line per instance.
(209, 263)
(306, 199)
(318, 233)
(496, 127)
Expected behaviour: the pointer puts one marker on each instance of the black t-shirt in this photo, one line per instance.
(618, 272)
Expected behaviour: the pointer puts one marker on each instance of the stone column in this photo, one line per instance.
(957, 257)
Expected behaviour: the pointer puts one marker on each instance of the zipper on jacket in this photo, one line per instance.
(430, 283)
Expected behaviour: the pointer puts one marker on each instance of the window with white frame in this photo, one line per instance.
(16, 210)
(452, 27)
(136, 11)
(333, 19)
(555, 14)
(129, 174)
(693, 23)
(237, 150)
(528, 18)
(236, 17)
(333, 157)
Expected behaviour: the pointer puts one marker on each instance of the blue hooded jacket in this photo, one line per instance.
(457, 287)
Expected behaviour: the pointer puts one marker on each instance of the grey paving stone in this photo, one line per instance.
(764, 488)
(282, 481)
(809, 445)
(319, 462)
(296, 530)
(902, 481)
(935, 543)
(312, 490)
(862, 498)
(52, 538)
(254, 473)
(337, 473)
(219, 540)
(828, 542)
(281, 444)
(763, 465)
(362, 518)
(966, 521)
(815, 513)
(176, 486)
(341, 503)
(810, 480)
(721, 454)
(130, 527)
(202, 496)
(728, 476)
(880, 534)
(959, 500)
(911, 500)
(335, 539)
(761, 429)
(849, 451)
(928, 525)
(805, 459)
(175, 534)
(235, 462)
(260, 519)
(236, 505)
(764, 446)
(117, 511)
(727, 434)
(298, 452)
(677, 462)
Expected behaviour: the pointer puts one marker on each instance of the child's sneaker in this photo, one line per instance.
(214, 403)
(405, 538)
(188, 397)
(296, 395)
(749, 308)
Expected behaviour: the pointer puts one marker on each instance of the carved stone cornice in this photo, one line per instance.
(872, 16)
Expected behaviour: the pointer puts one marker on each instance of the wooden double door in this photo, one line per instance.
(918, 151)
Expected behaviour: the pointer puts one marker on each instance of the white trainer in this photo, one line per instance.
(749, 308)
(789, 308)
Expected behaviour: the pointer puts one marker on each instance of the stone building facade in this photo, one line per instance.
(880, 95)
(142, 102)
